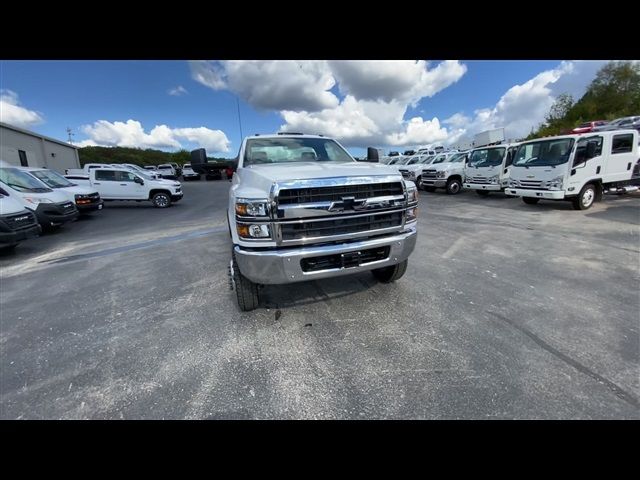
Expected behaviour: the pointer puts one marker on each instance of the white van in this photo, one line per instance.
(16, 222)
(86, 199)
(51, 208)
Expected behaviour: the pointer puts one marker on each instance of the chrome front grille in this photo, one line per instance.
(296, 196)
(340, 226)
(478, 179)
(429, 174)
(21, 220)
(533, 185)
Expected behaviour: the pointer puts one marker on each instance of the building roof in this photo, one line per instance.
(34, 134)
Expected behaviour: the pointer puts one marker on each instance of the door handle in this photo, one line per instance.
(96, 183)
(123, 184)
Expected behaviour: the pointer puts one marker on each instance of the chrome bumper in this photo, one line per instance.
(429, 182)
(526, 192)
(283, 265)
(491, 187)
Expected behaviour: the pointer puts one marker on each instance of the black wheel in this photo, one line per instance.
(390, 274)
(482, 193)
(585, 198)
(530, 201)
(246, 290)
(454, 186)
(430, 189)
(418, 180)
(161, 200)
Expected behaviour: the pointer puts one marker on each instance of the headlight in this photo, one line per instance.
(494, 179)
(441, 174)
(412, 194)
(412, 214)
(514, 183)
(253, 231)
(37, 200)
(412, 174)
(252, 208)
(555, 183)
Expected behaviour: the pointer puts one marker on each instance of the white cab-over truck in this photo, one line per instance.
(301, 208)
(488, 168)
(577, 168)
(120, 184)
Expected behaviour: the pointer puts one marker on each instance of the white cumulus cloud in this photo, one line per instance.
(15, 114)
(132, 134)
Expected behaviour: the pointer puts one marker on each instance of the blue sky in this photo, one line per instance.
(393, 105)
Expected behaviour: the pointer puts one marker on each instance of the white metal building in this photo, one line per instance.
(30, 149)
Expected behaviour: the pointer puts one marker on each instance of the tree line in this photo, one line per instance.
(137, 156)
(613, 93)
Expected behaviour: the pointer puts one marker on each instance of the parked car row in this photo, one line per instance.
(34, 199)
(603, 125)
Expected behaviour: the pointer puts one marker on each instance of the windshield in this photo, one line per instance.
(415, 159)
(457, 158)
(21, 181)
(543, 153)
(51, 179)
(165, 167)
(186, 166)
(288, 150)
(486, 157)
(439, 159)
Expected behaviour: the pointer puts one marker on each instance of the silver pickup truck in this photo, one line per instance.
(302, 208)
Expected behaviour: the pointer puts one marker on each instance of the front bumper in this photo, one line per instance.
(433, 182)
(490, 187)
(525, 192)
(284, 265)
(90, 207)
(55, 213)
(177, 196)
(11, 238)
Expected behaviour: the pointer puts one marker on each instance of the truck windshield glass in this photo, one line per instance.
(457, 158)
(21, 181)
(415, 159)
(289, 150)
(51, 179)
(439, 159)
(543, 153)
(486, 157)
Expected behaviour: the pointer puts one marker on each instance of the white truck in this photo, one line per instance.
(489, 137)
(86, 199)
(85, 169)
(445, 171)
(487, 169)
(51, 208)
(120, 184)
(16, 222)
(166, 170)
(576, 168)
(188, 173)
(302, 208)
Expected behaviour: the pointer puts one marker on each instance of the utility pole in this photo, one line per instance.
(70, 134)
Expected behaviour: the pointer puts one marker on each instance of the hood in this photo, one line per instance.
(9, 205)
(77, 190)
(257, 179)
(447, 165)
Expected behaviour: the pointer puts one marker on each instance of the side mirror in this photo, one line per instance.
(591, 149)
(372, 155)
(139, 180)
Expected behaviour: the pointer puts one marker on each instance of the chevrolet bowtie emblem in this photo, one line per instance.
(347, 203)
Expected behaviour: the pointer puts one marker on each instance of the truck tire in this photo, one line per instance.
(246, 290)
(585, 198)
(161, 200)
(530, 200)
(418, 186)
(454, 186)
(390, 274)
(482, 193)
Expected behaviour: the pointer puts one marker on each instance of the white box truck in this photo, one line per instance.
(577, 168)
(489, 137)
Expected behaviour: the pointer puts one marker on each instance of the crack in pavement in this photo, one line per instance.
(617, 390)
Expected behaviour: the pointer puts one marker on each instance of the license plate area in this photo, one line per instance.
(344, 260)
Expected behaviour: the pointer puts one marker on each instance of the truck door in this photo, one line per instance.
(506, 169)
(128, 187)
(620, 158)
(105, 182)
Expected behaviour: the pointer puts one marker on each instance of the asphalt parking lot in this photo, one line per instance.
(506, 311)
